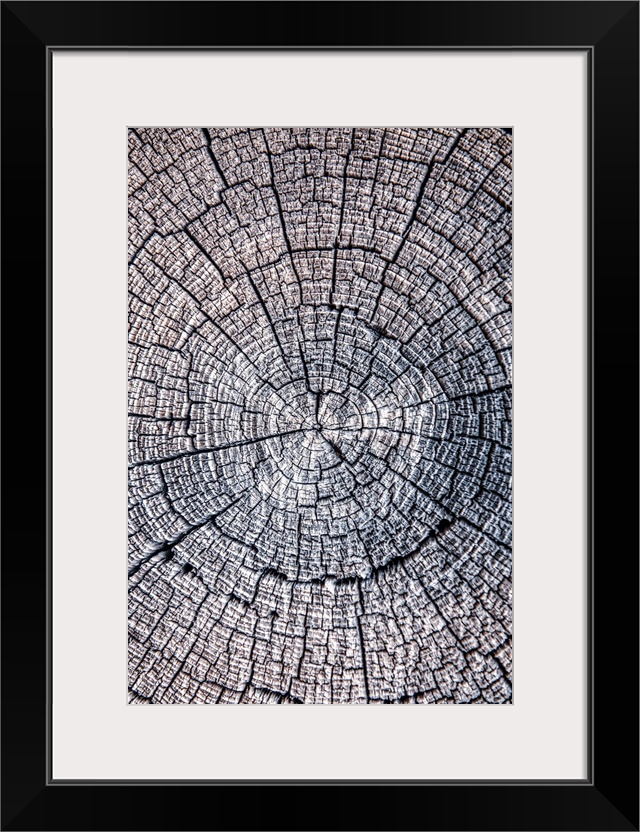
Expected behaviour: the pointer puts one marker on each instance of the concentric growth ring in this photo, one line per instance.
(320, 412)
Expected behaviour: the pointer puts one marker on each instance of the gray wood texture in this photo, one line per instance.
(320, 415)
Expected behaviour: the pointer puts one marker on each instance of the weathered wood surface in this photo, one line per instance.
(320, 415)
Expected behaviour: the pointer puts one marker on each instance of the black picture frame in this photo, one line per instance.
(608, 798)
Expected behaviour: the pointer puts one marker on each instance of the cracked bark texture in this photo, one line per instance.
(320, 415)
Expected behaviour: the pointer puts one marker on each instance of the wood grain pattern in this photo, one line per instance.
(320, 415)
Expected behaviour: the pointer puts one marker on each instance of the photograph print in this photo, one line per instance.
(319, 415)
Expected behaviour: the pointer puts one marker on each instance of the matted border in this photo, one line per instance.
(544, 96)
(608, 799)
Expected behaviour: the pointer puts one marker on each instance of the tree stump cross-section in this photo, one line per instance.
(320, 415)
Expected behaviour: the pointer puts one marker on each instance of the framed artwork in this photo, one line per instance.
(332, 311)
